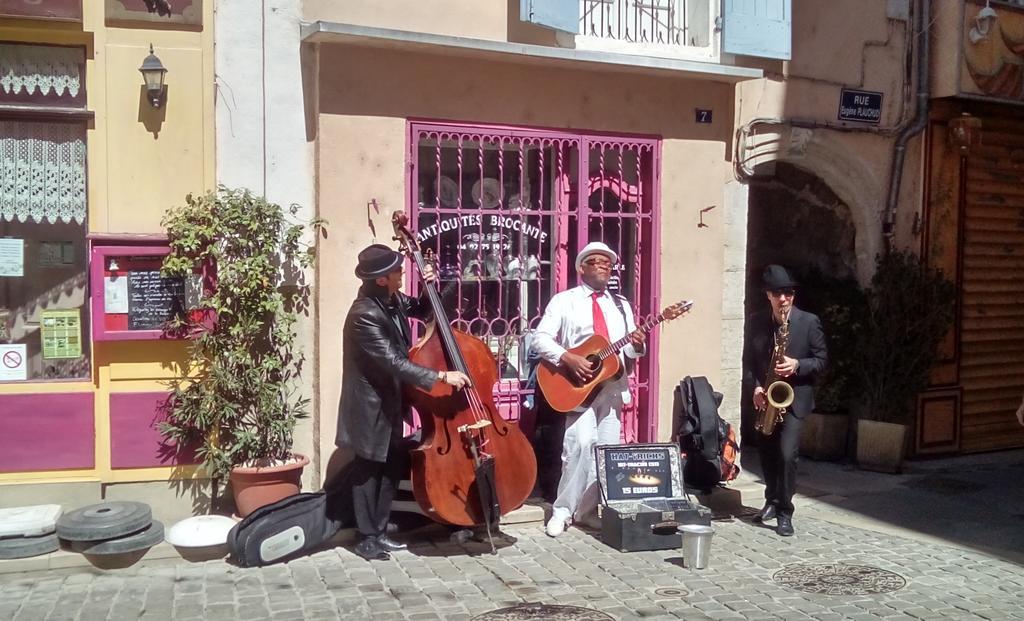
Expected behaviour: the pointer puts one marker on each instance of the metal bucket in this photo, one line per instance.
(696, 544)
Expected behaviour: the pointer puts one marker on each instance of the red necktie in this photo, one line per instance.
(600, 327)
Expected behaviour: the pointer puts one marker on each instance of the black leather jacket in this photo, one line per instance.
(375, 364)
(806, 344)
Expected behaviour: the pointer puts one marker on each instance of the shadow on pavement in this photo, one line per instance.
(972, 501)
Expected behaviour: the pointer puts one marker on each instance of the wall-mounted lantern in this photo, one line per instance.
(153, 72)
(965, 132)
(983, 22)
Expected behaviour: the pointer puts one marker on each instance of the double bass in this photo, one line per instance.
(472, 466)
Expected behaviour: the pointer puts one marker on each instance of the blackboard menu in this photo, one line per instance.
(636, 473)
(153, 300)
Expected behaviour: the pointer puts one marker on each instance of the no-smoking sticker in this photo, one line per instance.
(13, 363)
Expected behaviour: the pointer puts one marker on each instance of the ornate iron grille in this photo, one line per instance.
(662, 22)
(500, 210)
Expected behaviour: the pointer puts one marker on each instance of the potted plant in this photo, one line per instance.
(838, 301)
(909, 309)
(237, 402)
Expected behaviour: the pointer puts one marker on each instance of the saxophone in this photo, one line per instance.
(779, 392)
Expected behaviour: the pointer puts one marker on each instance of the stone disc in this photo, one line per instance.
(24, 547)
(106, 520)
(145, 538)
(29, 521)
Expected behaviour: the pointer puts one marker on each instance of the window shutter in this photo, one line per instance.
(758, 28)
(561, 15)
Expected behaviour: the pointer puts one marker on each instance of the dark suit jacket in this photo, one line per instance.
(375, 365)
(806, 344)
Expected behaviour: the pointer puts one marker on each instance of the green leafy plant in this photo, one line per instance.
(840, 303)
(238, 402)
(909, 310)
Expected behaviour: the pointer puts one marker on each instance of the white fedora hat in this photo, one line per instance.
(595, 248)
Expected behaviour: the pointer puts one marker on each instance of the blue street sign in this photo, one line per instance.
(860, 106)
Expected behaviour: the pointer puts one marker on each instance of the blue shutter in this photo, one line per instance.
(557, 14)
(758, 28)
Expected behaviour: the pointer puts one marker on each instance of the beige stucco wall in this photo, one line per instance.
(366, 97)
(846, 42)
(851, 44)
(462, 18)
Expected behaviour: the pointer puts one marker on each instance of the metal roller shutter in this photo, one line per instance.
(992, 304)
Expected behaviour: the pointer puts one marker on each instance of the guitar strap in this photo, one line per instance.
(630, 363)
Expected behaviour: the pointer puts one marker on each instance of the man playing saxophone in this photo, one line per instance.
(783, 346)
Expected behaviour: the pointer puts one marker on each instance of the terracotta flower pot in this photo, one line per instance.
(824, 436)
(881, 446)
(260, 485)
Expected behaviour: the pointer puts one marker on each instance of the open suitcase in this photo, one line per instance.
(643, 497)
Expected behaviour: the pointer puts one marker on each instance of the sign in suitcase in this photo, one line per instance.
(643, 497)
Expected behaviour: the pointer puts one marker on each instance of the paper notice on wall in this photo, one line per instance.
(61, 331)
(56, 254)
(115, 294)
(13, 363)
(12, 257)
(193, 291)
(5, 325)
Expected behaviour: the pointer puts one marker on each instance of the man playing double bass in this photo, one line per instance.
(570, 318)
(376, 364)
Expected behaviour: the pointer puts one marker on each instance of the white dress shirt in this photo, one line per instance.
(569, 320)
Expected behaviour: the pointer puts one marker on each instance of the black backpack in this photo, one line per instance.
(707, 441)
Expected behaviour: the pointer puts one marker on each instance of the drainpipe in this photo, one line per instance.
(922, 27)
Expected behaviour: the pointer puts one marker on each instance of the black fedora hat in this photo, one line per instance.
(777, 277)
(376, 261)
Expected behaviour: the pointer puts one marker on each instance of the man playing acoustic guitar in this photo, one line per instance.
(570, 318)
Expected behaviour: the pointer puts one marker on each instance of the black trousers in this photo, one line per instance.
(549, 434)
(780, 453)
(373, 489)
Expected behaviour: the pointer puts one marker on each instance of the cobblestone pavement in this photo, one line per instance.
(436, 579)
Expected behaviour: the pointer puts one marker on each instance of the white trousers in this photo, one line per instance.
(578, 493)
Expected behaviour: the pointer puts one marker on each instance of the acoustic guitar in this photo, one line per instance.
(565, 393)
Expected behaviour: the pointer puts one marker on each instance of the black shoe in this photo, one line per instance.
(389, 544)
(369, 549)
(765, 514)
(785, 527)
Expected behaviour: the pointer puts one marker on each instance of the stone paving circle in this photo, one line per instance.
(544, 611)
(671, 592)
(839, 579)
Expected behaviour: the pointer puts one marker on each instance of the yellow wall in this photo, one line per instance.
(366, 97)
(142, 161)
(134, 175)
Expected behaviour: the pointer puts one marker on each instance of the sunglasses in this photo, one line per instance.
(598, 262)
(778, 293)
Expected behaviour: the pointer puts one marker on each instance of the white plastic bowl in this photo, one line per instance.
(200, 531)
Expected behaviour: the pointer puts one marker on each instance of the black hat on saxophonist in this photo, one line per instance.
(777, 277)
(376, 261)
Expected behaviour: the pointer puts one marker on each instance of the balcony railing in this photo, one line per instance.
(673, 23)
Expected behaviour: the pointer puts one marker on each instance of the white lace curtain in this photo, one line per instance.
(42, 172)
(48, 70)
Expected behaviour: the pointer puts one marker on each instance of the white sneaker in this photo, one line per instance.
(559, 520)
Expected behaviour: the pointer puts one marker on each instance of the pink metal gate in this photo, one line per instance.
(502, 210)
